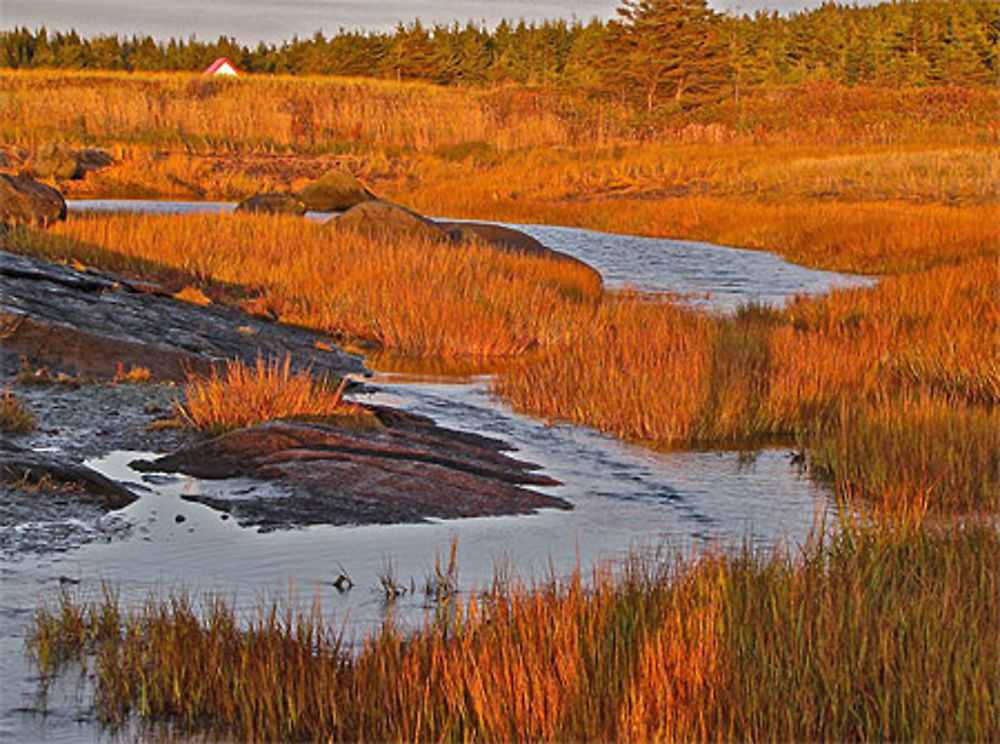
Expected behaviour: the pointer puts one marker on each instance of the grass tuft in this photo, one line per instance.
(245, 396)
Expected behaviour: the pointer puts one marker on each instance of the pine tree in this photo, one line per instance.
(667, 49)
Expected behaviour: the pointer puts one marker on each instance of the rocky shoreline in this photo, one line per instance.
(82, 327)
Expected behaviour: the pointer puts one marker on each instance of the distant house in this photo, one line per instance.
(222, 66)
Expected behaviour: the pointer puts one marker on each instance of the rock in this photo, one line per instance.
(86, 322)
(333, 192)
(23, 467)
(92, 159)
(272, 204)
(54, 160)
(12, 158)
(509, 240)
(405, 470)
(383, 219)
(26, 201)
(497, 236)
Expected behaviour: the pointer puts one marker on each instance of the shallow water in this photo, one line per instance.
(625, 498)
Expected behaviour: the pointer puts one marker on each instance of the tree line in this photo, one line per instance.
(655, 54)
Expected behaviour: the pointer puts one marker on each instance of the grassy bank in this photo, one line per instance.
(878, 634)
(893, 391)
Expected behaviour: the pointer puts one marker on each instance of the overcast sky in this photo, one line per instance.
(250, 21)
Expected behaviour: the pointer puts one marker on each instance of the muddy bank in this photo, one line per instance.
(50, 501)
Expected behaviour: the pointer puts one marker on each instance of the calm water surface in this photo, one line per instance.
(625, 498)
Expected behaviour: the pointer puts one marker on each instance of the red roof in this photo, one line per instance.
(219, 63)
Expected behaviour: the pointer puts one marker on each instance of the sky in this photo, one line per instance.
(250, 21)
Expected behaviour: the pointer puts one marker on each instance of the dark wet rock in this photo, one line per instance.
(407, 471)
(383, 219)
(86, 322)
(272, 204)
(333, 192)
(24, 467)
(91, 419)
(26, 201)
(506, 239)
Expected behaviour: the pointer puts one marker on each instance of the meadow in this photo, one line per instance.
(890, 393)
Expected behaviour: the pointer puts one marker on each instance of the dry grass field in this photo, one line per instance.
(891, 393)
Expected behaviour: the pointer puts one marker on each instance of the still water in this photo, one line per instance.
(625, 498)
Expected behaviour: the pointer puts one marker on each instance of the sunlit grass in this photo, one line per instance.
(632, 365)
(874, 633)
(245, 396)
(411, 297)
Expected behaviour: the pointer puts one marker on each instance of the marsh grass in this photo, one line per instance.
(413, 298)
(245, 396)
(874, 633)
(816, 373)
(15, 417)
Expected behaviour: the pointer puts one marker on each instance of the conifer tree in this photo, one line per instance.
(669, 50)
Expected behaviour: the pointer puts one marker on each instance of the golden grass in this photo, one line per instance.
(186, 110)
(881, 237)
(268, 111)
(894, 390)
(877, 181)
(875, 634)
(15, 418)
(414, 298)
(245, 396)
(821, 371)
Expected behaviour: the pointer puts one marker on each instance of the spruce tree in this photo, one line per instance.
(667, 51)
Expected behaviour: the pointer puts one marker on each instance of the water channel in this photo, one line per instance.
(625, 498)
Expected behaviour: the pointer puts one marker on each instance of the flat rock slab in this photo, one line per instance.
(400, 469)
(87, 322)
(19, 466)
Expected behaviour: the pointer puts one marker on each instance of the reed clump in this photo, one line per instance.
(875, 633)
(245, 396)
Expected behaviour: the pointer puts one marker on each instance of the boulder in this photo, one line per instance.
(57, 160)
(54, 160)
(22, 467)
(334, 192)
(403, 469)
(384, 219)
(509, 240)
(272, 204)
(26, 201)
(92, 159)
(497, 236)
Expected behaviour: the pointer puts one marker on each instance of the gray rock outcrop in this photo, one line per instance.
(26, 201)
